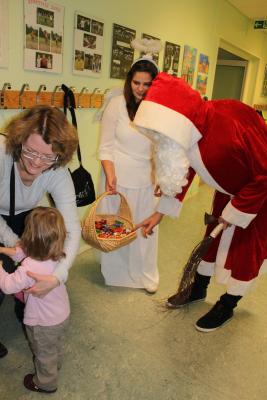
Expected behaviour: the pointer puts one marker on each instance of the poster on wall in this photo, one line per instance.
(171, 58)
(43, 27)
(122, 54)
(189, 64)
(3, 33)
(88, 45)
(155, 56)
(202, 74)
(264, 84)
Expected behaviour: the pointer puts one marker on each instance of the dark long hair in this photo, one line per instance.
(139, 66)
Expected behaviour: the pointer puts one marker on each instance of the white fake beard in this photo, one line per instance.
(171, 163)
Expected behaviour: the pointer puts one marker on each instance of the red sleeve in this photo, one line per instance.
(190, 177)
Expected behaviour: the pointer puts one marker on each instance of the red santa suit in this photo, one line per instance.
(225, 143)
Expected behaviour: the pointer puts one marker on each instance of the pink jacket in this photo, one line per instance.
(51, 310)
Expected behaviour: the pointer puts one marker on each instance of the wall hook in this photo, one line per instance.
(41, 87)
(2, 97)
(84, 90)
(25, 86)
(96, 90)
(57, 89)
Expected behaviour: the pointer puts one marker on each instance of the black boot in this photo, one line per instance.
(220, 313)
(198, 293)
(3, 350)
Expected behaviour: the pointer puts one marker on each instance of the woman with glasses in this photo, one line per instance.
(33, 157)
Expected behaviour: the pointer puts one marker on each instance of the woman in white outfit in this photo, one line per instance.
(126, 158)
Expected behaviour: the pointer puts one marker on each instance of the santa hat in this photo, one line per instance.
(171, 107)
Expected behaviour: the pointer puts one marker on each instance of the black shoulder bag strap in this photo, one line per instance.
(12, 193)
(11, 190)
(69, 103)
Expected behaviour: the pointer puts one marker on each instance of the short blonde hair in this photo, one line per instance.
(48, 122)
(44, 234)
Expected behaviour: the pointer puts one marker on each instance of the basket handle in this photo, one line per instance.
(124, 209)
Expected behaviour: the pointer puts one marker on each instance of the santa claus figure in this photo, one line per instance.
(225, 143)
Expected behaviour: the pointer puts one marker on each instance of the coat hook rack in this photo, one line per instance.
(260, 107)
(26, 98)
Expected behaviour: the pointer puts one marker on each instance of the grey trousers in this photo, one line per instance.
(46, 343)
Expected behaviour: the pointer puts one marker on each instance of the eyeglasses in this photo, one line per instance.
(48, 160)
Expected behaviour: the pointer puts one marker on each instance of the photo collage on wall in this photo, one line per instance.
(3, 33)
(88, 46)
(171, 58)
(122, 54)
(189, 64)
(44, 27)
(202, 74)
(155, 56)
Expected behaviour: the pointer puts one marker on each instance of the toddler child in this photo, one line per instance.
(45, 319)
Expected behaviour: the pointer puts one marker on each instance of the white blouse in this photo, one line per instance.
(123, 144)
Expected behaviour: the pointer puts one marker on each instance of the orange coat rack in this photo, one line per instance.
(26, 98)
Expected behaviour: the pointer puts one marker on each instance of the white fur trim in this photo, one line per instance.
(263, 268)
(236, 217)
(239, 288)
(223, 248)
(197, 164)
(169, 206)
(176, 126)
(206, 268)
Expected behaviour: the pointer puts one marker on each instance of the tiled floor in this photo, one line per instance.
(123, 345)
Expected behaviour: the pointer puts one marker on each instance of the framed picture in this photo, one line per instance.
(88, 45)
(171, 58)
(202, 73)
(43, 27)
(189, 64)
(122, 54)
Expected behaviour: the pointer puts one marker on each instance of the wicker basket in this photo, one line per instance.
(108, 244)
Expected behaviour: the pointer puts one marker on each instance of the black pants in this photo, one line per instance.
(17, 224)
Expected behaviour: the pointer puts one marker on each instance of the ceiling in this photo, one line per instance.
(254, 9)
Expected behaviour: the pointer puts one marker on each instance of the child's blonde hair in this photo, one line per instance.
(44, 234)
